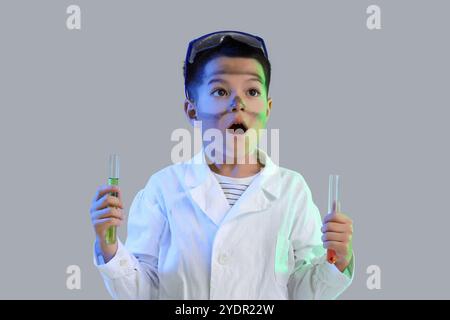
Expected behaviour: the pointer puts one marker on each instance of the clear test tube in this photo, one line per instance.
(334, 206)
(113, 180)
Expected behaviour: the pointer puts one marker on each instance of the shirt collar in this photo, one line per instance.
(197, 172)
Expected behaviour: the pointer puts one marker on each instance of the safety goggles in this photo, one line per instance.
(214, 39)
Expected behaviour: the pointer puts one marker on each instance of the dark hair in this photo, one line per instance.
(228, 48)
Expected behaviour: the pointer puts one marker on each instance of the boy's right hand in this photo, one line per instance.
(106, 211)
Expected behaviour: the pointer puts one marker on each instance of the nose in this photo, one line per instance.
(237, 104)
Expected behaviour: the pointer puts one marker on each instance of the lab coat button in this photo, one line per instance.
(123, 263)
(223, 258)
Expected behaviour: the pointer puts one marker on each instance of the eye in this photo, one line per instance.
(254, 92)
(221, 94)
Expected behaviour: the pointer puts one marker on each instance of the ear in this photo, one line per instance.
(189, 110)
(269, 107)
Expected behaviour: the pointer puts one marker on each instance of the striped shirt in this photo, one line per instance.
(233, 188)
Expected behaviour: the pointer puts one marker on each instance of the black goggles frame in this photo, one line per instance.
(214, 39)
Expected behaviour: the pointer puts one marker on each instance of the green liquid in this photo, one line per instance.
(112, 231)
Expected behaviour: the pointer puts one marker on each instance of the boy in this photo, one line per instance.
(232, 225)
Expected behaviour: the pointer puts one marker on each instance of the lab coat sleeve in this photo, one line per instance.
(133, 272)
(313, 277)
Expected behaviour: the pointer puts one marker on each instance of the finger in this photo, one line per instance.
(334, 236)
(103, 189)
(109, 212)
(338, 217)
(99, 204)
(339, 247)
(119, 193)
(107, 222)
(336, 227)
(108, 201)
(116, 192)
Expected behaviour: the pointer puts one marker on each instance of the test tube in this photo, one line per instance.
(334, 206)
(113, 180)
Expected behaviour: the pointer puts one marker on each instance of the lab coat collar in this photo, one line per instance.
(206, 192)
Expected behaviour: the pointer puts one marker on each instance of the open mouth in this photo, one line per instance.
(237, 128)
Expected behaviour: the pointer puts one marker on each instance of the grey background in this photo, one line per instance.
(369, 105)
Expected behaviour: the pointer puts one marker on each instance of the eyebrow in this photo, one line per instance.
(256, 76)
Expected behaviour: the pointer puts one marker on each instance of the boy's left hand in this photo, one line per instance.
(337, 232)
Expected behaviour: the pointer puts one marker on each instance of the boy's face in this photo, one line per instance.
(232, 92)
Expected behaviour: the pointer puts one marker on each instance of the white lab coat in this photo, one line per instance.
(268, 245)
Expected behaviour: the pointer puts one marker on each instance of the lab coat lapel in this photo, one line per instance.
(262, 191)
(207, 194)
(204, 190)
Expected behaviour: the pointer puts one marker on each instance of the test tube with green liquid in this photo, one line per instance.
(113, 180)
